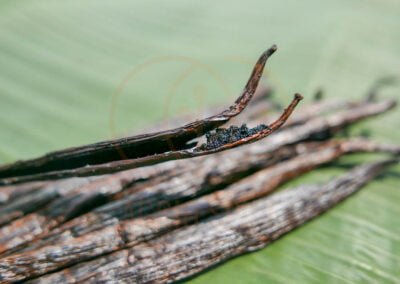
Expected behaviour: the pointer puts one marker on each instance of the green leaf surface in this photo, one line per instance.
(62, 62)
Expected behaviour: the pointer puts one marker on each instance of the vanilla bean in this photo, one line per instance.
(148, 149)
(193, 249)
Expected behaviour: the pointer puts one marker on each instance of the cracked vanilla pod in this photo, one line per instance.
(146, 149)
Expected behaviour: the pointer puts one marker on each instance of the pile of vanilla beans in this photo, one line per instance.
(164, 206)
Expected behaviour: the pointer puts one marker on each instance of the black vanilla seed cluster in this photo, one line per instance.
(223, 136)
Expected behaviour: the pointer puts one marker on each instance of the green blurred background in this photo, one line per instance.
(61, 63)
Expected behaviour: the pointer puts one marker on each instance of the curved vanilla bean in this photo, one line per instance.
(190, 250)
(138, 146)
(121, 165)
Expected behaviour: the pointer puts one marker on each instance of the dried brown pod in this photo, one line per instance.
(147, 149)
